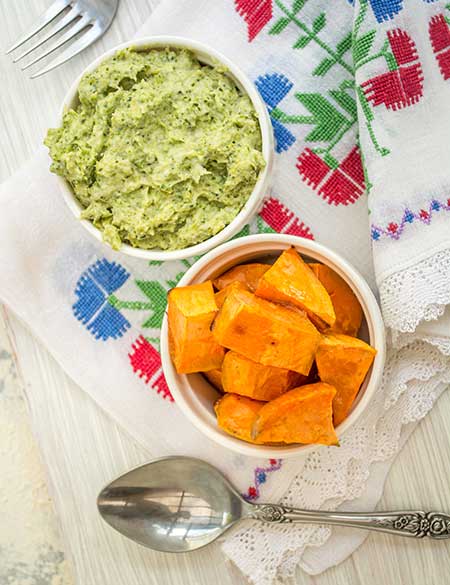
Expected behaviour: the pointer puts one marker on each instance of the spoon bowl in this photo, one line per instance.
(174, 504)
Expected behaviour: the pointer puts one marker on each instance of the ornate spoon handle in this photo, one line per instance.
(404, 523)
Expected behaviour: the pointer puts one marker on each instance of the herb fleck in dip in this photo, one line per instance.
(162, 151)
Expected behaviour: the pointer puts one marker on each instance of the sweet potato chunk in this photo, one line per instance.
(290, 280)
(301, 415)
(190, 311)
(346, 306)
(222, 294)
(273, 335)
(246, 274)
(236, 415)
(248, 378)
(215, 378)
(343, 361)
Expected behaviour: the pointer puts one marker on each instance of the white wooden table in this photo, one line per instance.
(92, 449)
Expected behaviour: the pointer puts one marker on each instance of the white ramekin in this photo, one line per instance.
(260, 191)
(195, 396)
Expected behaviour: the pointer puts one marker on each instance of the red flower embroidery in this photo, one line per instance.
(439, 32)
(402, 46)
(403, 86)
(282, 220)
(252, 492)
(393, 227)
(160, 385)
(146, 362)
(342, 185)
(256, 14)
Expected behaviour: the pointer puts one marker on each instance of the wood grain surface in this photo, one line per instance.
(83, 448)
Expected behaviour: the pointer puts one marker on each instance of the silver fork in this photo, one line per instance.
(88, 19)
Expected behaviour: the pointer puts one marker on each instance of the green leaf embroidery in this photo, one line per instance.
(364, 104)
(382, 150)
(155, 263)
(324, 66)
(391, 62)
(319, 23)
(278, 114)
(346, 101)
(328, 120)
(331, 161)
(362, 46)
(312, 32)
(157, 294)
(279, 26)
(367, 182)
(344, 45)
(262, 227)
(156, 341)
(302, 42)
(298, 5)
(245, 231)
(173, 282)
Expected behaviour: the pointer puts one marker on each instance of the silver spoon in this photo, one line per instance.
(179, 504)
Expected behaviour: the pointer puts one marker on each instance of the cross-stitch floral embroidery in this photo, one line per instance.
(274, 88)
(256, 14)
(402, 85)
(260, 477)
(395, 229)
(92, 308)
(342, 183)
(146, 363)
(439, 31)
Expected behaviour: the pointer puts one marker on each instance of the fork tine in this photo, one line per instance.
(84, 41)
(52, 12)
(70, 17)
(69, 34)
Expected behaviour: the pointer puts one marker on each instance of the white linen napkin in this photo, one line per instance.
(99, 312)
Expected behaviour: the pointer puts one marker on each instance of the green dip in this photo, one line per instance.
(161, 151)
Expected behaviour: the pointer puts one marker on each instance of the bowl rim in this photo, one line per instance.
(261, 188)
(363, 291)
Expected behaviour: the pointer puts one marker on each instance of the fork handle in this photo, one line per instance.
(404, 523)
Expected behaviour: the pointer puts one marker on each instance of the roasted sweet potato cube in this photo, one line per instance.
(267, 333)
(243, 376)
(346, 306)
(301, 415)
(290, 280)
(236, 415)
(215, 378)
(191, 310)
(343, 361)
(246, 274)
(222, 294)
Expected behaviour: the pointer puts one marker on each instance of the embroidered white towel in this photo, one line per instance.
(325, 70)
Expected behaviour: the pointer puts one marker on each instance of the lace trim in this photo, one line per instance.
(419, 293)
(442, 343)
(413, 380)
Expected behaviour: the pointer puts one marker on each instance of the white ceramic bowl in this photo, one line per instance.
(195, 396)
(260, 191)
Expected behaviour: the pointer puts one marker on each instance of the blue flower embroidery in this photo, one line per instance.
(409, 216)
(274, 88)
(92, 307)
(386, 9)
